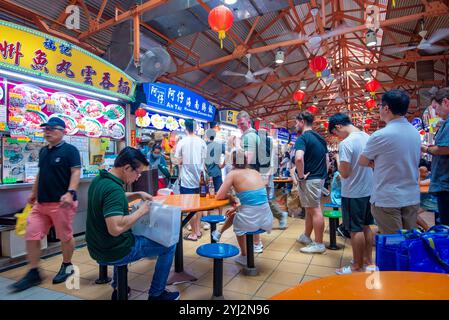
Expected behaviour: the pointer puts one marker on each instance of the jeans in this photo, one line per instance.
(143, 248)
(443, 206)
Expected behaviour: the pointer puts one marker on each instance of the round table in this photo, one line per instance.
(282, 180)
(190, 204)
(383, 285)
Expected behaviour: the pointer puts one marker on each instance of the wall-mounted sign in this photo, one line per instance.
(162, 122)
(32, 52)
(174, 99)
(29, 106)
(283, 134)
(228, 116)
(293, 137)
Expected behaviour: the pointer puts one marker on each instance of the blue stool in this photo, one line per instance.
(213, 220)
(250, 269)
(122, 280)
(103, 275)
(218, 252)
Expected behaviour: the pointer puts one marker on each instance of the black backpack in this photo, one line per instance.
(263, 157)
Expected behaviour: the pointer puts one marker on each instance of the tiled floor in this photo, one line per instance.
(280, 266)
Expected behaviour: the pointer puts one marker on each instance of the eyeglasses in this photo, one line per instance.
(47, 128)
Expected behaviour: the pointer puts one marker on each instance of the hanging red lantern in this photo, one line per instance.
(298, 96)
(318, 64)
(372, 86)
(326, 124)
(368, 121)
(140, 113)
(366, 127)
(221, 20)
(370, 104)
(312, 109)
(422, 132)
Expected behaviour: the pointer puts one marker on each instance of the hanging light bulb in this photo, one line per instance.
(315, 100)
(303, 84)
(314, 11)
(280, 56)
(366, 95)
(371, 38)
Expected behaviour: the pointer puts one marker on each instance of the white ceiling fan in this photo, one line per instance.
(426, 45)
(249, 76)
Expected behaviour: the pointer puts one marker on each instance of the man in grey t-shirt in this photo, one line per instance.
(356, 188)
(394, 153)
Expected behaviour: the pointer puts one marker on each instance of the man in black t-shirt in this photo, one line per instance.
(54, 203)
(312, 163)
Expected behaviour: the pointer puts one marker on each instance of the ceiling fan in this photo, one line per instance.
(249, 76)
(426, 45)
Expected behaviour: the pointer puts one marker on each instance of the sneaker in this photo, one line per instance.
(283, 221)
(114, 295)
(31, 279)
(206, 226)
(166, 295)
(341, 231)
(189, 227)
(216, 235)
(303, 239)
(241, 260)
(64, 272)
(371, 268)
(314, 248)
(258, 248)
(345, 270)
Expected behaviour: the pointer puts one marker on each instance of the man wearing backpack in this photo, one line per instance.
(258, 150)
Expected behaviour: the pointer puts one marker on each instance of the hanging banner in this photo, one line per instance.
(32, 52)
(283, 134)
(181, 101)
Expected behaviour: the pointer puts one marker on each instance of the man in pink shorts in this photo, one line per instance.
(54, 203)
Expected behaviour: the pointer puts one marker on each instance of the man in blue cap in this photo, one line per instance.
(54, 203)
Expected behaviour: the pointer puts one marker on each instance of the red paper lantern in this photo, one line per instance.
(312, 109)
(422, 132)
(326, 124)
(318, 64)
(370, 104)
(140, 113)
(368, 121)
(298, 96)
(372, 86)
(366, 127)
(221, 20)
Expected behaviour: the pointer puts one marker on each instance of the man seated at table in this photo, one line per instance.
(108, 231)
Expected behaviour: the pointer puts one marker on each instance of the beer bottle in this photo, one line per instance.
(203, 187)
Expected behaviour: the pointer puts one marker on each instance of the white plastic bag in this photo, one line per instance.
(162, 224)
(176, 187)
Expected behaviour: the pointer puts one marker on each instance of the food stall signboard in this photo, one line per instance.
(35, 53)
(174, 99)
(283, 134)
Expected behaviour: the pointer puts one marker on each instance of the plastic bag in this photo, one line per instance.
(176, 187)
(162, 224)
(21, 222)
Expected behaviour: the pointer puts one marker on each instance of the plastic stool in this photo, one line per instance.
(334, 216)
(250, 269)
(218, 252)
(213, 220)
(103, 275)
(334, 206)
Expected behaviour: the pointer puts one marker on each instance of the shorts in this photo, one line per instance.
(310, 192)
(356, 213)
(391, 220)
(183, 190)
(428, 202)
(218, 181)
(45, 215)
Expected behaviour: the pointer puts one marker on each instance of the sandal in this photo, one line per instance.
(189, 237)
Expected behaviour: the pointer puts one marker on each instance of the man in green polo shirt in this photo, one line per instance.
(108, 232)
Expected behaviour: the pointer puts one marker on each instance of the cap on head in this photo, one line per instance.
(54, 122)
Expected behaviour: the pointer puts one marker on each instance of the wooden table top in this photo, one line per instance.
(280, 180)
(384, 285)
(189, 202)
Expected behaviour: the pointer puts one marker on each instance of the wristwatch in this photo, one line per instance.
(73, 193)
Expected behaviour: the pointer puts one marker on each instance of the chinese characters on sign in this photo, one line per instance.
(32, 52)
(179, 100)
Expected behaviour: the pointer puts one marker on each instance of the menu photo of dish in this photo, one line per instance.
(22, 95)
(158, 122)
(171, 124)
(63, 103)
(114, 129)
(71, 125)
(114, 112)
(91, 127)
(92, 108)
